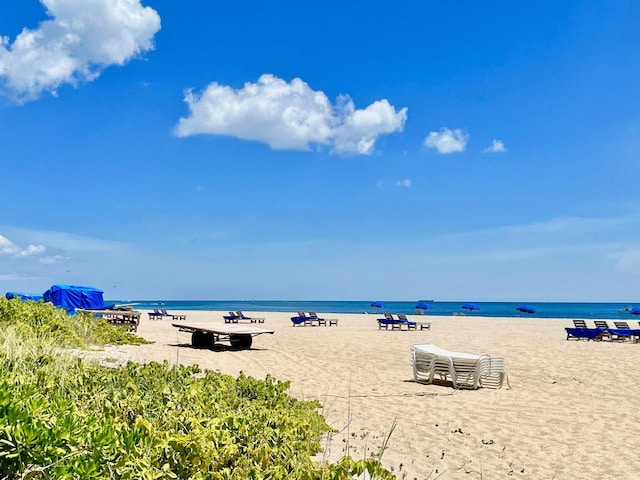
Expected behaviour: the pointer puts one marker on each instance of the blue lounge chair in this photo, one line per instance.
(389, 322)
(231, 318)
(585, 333)
(164, 312)
(623, 331)
(405, 321)
(242, 316)
(413, 325)
(316, 319)
(620, 332)
(155, 315)
(300, 320)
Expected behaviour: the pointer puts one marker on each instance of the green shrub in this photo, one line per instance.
(62, 417)
(43, 320)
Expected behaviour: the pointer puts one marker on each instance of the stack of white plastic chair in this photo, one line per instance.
(464, 370)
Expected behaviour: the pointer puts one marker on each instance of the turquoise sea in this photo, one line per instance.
(487, 309)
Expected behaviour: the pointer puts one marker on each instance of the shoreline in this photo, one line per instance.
(565, 402)
(543, 310)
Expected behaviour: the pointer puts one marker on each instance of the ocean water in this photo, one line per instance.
(613, 311)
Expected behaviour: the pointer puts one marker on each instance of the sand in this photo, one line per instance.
(572, 411)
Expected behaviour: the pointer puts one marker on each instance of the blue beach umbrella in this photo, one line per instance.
(635, 311)
(378, 304)
(526, 309)
(470, 306)
(423, 306)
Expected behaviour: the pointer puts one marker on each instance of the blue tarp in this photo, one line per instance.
(71, 297)
(24, 296)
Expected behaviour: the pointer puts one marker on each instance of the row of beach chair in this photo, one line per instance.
(602, 331)
(304, 320)
(400, 323)
(159, 314)
(237, 317)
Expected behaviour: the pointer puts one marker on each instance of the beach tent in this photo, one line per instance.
(23, 296)
(71, 297)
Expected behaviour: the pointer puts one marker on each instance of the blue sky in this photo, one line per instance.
(465, 151)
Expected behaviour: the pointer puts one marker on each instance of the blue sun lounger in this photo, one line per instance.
(231, 318)
(413, 325)
(389, 322)
(585, 333)
(315, 319)
(173, 316)
(301, 320)
(622, 331)
(242, 316)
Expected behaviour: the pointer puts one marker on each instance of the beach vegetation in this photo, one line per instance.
(63, 416)
(43, 321)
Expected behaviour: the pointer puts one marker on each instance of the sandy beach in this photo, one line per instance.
(571, 410)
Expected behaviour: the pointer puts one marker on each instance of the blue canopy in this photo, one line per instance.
(526, 309)
(423, 305)
(378, 304)
(635, 311)
(23, 296)
(470, 306)
(71, 297)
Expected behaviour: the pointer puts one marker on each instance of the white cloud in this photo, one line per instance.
(497, 146)
(288, 116)
(406, 183)
(68, 258)
(447, 141)
(7, 247)
(77, 245)
(31, 250)
(360, 128)
(50, 260)
(81, 39)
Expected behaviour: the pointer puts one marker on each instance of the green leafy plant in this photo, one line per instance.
(62, 417)
(44, 321)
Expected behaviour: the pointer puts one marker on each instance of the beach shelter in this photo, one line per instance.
(23, 296)
(470, 306)
(635, 311)
(71, 297)
(526, 309)
(421, 306)
(378, 304)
